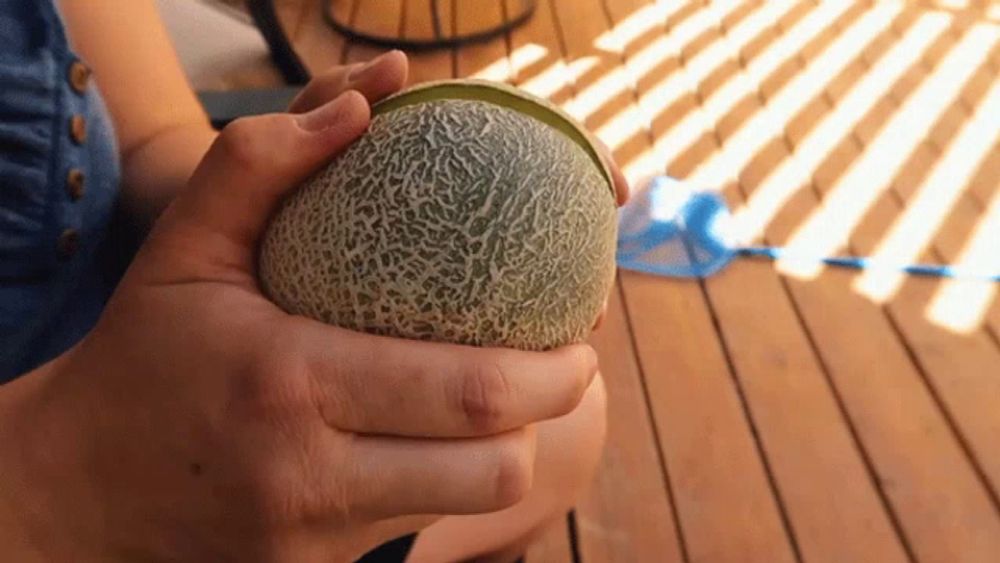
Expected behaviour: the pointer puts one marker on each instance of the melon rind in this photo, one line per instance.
(456, 220)
(502, 95)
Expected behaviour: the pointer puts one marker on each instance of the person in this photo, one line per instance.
(172, 412)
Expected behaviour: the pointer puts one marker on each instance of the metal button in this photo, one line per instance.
(78, 129)
(74, 184)
(79, 76)
(69, 243)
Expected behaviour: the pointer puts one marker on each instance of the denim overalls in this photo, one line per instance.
(59, 175)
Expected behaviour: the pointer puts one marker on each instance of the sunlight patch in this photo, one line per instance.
(868, 177)
(520, 59)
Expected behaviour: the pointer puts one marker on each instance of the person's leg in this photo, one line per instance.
(568, 451)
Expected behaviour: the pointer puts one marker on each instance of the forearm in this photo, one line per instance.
(161, 127)
(156, 169)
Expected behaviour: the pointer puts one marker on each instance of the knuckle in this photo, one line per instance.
(239, 139)
(272, 386)
(293, 489)
(483, 396)
(248, 141)
(284, 493)
(286, 476)
(290, 483)
(513, 473)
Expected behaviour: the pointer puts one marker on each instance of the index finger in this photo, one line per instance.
(379, 385)
(378, 78)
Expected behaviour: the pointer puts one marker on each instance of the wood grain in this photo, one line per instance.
(627, 514)
(725, 504)
(828, 493)
(943, 507)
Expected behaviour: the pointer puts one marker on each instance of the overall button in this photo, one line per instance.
(69, 243)
(79, 76)
(78, 129)
(74, 184)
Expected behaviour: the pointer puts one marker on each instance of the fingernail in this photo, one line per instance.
(365, 70)
(330, 113)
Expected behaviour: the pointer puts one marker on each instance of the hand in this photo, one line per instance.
(198, 421)
(375, 79)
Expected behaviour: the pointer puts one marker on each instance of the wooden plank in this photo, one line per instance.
(756, 362)
(553, 546)
(985, 184)
(833, 506)
(724, 502)
(602, 91)
(627, 515)
(669, 100)
(984, 181)
(382, 18)
(548, 76)
(491, 57)
(429, 65)
(961, 368)
(761, 75)
(942, 506)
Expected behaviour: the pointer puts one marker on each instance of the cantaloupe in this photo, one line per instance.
(470, 212)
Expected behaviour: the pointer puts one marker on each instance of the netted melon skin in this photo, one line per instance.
(452, 220)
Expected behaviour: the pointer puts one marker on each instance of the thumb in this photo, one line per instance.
(218, 219)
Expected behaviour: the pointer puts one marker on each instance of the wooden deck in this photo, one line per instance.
(774, 413)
